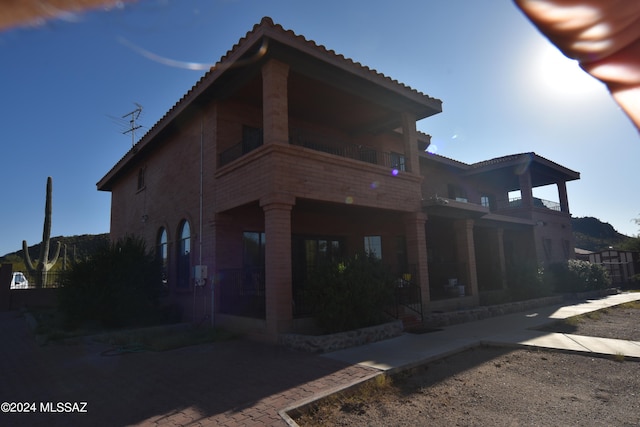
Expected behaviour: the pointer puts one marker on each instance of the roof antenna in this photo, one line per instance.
(133, 116)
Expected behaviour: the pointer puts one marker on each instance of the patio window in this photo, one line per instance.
(373, 246)
(253, 244)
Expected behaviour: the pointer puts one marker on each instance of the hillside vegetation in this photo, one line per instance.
(77, 247)
(594, 235)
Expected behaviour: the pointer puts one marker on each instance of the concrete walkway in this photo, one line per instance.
(409, 350)
(238, 383)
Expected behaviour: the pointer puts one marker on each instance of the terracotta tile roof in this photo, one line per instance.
(268, 29)
(503, 159)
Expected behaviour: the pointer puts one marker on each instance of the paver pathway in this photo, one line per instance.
(235, 383)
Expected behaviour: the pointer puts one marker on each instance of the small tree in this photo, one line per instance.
(117, 286)
(350, 294)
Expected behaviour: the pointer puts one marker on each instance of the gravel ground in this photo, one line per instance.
(505, 387)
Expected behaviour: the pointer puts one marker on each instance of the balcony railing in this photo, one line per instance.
(516, 203)
(395, 161)
(363, 153)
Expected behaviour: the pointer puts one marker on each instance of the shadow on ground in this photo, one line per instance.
(199, 381)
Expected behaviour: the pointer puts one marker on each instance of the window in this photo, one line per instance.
(253, 245)
(310, 252)
(487, 201)
(184, 258)
(163, 255)
(373, 246)
(457, 193)
(251, 138)
(401, 254)
(141, 183)
(398, 162)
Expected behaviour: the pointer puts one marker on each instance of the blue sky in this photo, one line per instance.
(67, 83)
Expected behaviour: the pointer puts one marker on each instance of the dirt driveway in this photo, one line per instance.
(506, 387)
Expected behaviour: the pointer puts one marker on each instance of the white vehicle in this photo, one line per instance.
(19, 281)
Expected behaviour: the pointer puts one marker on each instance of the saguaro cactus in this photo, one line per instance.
(44, 263)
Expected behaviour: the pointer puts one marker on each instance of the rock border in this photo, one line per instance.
(341, 340)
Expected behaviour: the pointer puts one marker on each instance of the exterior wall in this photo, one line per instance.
(171, 194)
(553, 236)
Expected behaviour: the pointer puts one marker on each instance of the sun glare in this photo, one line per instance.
(561, 76)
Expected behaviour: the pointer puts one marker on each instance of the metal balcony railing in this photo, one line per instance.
(516, 203)
(395, 161)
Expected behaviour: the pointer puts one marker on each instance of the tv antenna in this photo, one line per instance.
(133, 116)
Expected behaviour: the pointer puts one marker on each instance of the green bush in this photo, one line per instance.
(118, 286)
(578, 276)
(526, 280)
(350, 294)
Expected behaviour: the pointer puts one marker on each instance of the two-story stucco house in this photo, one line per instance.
(286, 154)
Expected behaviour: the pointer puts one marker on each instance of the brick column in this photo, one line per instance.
(526, 189)
(275, 105)
(278, 288)
(502, 263)
(410, 140)
(467, 255)
(562, 195)
(417, 251)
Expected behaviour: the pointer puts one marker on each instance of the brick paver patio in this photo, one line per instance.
(235, 383)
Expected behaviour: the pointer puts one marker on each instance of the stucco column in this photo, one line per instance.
(562, 195)
(465, 249)
(275, 103)
(526, 189)
(417, 251)
(410, 139)
(278, 288)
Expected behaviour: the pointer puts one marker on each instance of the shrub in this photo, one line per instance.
(526, 280)
(350, 294)
(578, 276)
(118, 286)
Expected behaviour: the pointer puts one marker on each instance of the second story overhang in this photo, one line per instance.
(505, 172)
(322, 86)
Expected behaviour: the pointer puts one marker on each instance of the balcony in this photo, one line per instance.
(395, 161)
(516, 203)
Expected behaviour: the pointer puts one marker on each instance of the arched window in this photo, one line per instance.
(163, 256)
(184, 256)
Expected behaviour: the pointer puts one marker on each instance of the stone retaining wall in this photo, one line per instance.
(333, 342)
(435, 320)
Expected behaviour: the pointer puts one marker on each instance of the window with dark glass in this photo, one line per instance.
(163, 255)
(141, 182)
(487, 201)
(184, 256)
(251, 138)
(253, 244)
(457, 193)
(398, 162)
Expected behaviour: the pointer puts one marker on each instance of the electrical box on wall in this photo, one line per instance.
(200, 274)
